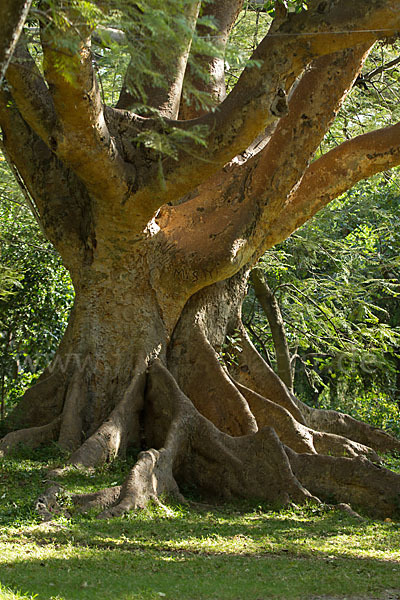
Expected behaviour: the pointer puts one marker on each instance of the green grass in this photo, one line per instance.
(188, 552)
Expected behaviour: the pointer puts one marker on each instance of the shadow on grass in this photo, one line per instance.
(187, 553)
(103, 574)
(142, 560)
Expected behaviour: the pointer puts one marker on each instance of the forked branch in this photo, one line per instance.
(258, 98)
(251, 194)
(333, 174)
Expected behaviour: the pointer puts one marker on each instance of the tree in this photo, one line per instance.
(159, 220)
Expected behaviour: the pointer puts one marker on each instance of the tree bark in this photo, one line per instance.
(272, 311)
(203, 413)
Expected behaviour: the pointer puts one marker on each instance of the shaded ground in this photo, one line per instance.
(388, 595)
(194, 552)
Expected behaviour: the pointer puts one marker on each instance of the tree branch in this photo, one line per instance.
(60, 197)
(335, 173)
(223, 14)
(385, 67)
(29, 201)
(12, 18)
(251, 196)
(272, 311)
(166, 98)
(81, 138)
(31, 94)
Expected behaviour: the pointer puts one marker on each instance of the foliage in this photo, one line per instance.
(185, 552)
(337, 280)
(252, 24)
(33, 312)
(230, 349)
(373, 101)
(146, 34)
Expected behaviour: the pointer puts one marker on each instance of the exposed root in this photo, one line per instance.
(297, 436)
(148, 480)
(188, 448)
(71, 423)
(47, 505)
(196, 367)
(349, 511)
(341, 424)
(32, 437)
(229, 442)
(356, 481)
(254, 373)
(337, 445)
(268, 414)
(193, 450)
(251, 466)
(41, 403)
(97, 500)
(121, 427)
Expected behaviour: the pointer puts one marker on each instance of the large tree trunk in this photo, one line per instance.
(202, 413)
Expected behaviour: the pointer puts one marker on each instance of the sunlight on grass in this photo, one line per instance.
(7, 594)
(196, 551)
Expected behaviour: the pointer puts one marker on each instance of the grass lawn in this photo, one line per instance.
(196, 551)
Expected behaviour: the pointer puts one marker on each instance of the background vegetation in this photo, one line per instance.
(36, 295)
